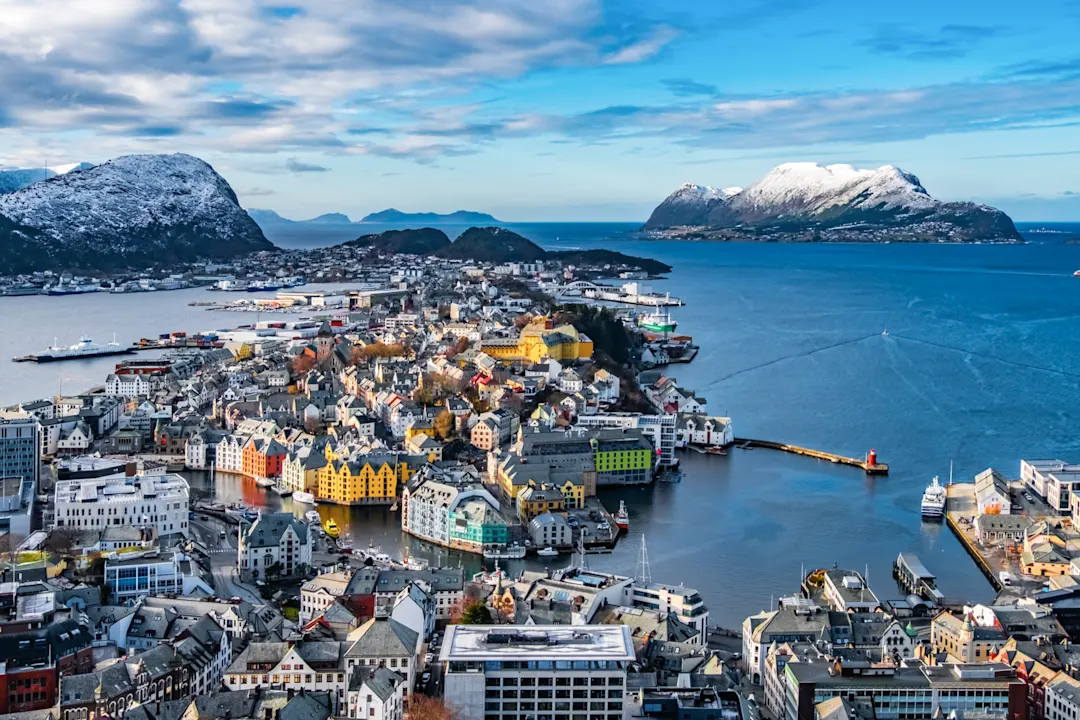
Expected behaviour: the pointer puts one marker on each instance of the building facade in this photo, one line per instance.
(157, 501)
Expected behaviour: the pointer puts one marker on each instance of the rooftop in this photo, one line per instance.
(479, 643)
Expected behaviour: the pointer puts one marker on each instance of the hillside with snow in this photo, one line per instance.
(810, 202)
(134, 211)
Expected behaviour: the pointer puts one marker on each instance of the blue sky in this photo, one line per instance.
(552, 110)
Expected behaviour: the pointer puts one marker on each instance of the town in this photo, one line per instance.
(483, 414)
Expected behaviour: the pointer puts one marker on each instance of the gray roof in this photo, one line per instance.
(382, 682)
(383, 637)
(267, 530)
(439, 579)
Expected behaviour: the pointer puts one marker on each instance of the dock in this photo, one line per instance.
(960, 507)
(869, 465)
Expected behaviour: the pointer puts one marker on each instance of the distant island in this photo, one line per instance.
(460, 217)
(494, 245)
(806, 202)
(269, 218)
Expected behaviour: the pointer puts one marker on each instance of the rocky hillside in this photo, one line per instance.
(809, 202)
(492, 244)
(421, 241)
(134, 211)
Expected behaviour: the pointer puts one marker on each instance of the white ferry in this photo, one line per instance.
(505, 552)
(85, 348)
(933, 501)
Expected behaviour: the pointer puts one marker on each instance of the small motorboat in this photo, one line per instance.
(264, 482)
(282, 490)
(547, 552)
(312, 516)
(305, 498)
(1076, 274)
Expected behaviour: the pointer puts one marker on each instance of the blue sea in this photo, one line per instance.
(980, 368)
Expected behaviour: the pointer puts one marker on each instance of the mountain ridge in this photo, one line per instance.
(811, 202)
(133, 211)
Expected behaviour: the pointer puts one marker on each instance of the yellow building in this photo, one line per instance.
(533, 501)
(371, 480)
(537, 341)
(515, 476)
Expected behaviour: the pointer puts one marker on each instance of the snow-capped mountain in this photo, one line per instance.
(836, 202)
(134, 211)
(12, 180)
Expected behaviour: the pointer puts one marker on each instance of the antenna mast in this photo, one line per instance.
(644, 574)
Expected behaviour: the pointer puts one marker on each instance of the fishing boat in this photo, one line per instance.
(282, 490)
(505, 552)
(312, 516)
(331, 528)
(714, 450)
(305, 498)
(492, 577)
(933, 501)
(622, 519)
(547, 552)
(264, 482)
(344, 544)
(376, 555)
(659, 322)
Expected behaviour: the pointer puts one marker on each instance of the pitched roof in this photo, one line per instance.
(382, 637)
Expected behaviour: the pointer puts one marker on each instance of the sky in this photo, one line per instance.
(550, 110)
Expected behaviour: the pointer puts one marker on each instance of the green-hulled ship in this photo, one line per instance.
(657, 322)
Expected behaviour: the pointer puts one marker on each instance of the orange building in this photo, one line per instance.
(263, 457)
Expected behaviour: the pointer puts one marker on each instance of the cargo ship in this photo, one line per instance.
(85, 348)
(658, 322)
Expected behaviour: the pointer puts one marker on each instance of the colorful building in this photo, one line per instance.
(533, 501)
(540, 340)
(263, 457)
(364, 480)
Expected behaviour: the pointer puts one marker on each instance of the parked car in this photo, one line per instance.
(425, 678)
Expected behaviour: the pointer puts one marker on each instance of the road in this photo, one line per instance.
(223, 558)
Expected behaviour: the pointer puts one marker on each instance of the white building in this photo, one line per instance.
(157, 501)
(313, 666)
(375, 693)
(490, 669)
(1063, 698)
(445, 585)
(701, 429)
(385, 642)
(1035, 474)
(320, 593)
(153, 574)
(229, 455)
(276, 544)
(992, 493)
(133, 385)
(686, 603)
(414, 607)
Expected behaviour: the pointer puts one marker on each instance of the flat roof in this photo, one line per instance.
(480, 643)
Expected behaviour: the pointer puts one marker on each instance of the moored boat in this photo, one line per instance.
(547, 552)
(264, 482)
(312, 516)
(659, 322)
(622, 518)
(282, 490)
(305, 498)
(331, 528)
(505, 552)
(933, 501)
(85, 348)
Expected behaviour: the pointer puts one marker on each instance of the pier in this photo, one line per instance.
(915, 579)
(869, 465)
(960, 505)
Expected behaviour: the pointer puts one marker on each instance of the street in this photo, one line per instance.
(223, 558)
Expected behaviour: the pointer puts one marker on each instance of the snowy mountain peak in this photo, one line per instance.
(133, 211)
(804, 196)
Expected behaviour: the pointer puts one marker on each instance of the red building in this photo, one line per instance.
(35, 660)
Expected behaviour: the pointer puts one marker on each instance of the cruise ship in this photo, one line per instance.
(85, 348)
(933, 501)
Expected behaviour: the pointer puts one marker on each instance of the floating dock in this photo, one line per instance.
(869, 465)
